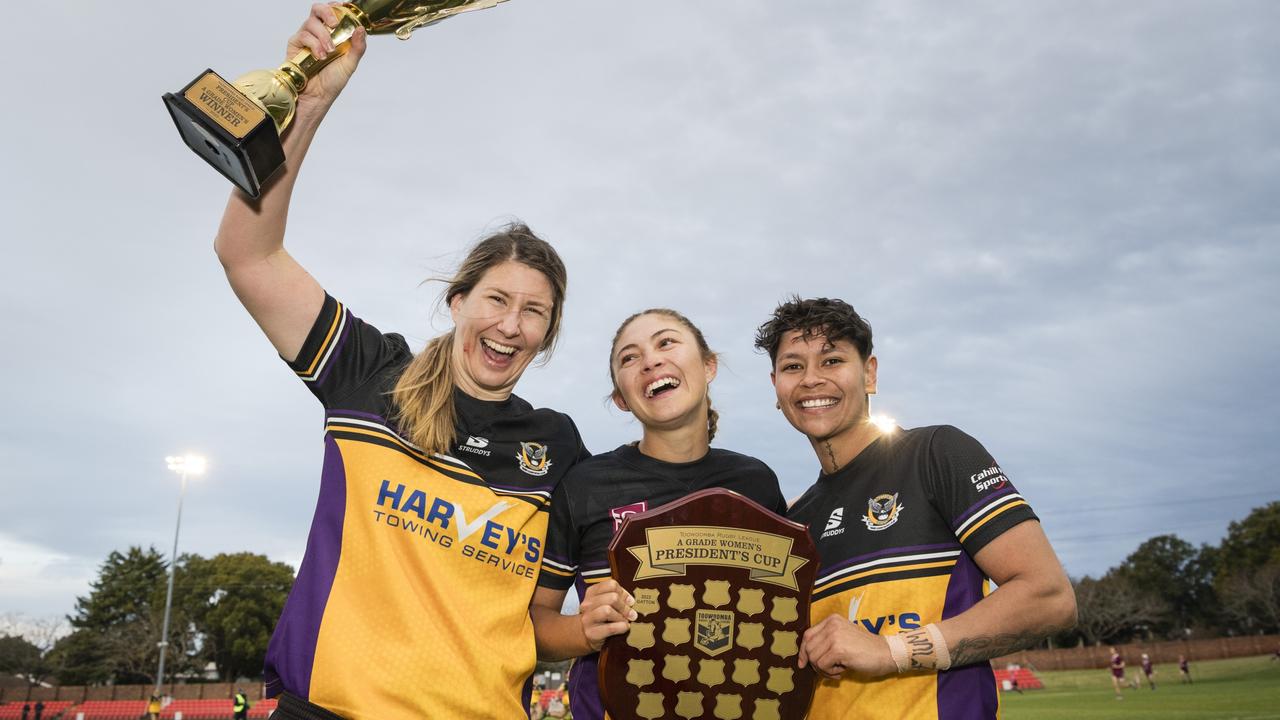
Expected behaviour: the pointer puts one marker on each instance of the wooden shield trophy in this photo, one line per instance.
(722, 593)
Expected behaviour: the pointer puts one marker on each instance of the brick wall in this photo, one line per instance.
(1079, 658)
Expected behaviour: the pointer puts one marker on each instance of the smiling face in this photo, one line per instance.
(661, 373)
(499, 326)
(822, 387)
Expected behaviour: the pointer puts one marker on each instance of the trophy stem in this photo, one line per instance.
(304, 65)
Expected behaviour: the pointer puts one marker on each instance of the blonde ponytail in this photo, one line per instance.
(423, 397)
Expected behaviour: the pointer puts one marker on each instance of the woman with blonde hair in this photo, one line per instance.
(661, 368)
(412, 598)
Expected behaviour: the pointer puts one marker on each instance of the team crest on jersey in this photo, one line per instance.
(622, 513)
(533, 458)
(882, 512)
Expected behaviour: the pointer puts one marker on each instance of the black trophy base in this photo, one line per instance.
(228, 130)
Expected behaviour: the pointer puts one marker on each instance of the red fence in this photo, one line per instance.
(82, 693)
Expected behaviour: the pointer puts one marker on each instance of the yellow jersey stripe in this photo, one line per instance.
(400, 443)
(882, 571)
(1005, 508)
(328, 338)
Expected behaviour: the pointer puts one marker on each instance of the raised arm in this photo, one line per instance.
(1033, 600)
(605, 610)
(280, 295)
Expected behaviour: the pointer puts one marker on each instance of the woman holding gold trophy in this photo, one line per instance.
(412, 598)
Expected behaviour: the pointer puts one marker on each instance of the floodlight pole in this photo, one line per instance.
(182, 465)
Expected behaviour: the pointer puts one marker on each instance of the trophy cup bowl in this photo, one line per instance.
(236, 126)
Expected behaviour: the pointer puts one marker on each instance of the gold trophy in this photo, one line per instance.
(236, 126)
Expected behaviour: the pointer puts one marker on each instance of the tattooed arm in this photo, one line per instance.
(1034, 600)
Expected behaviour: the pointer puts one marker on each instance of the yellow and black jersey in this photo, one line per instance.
(896, 530)
(412, 599)
(588, 508)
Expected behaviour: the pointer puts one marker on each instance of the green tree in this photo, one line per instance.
(117, 626)
(19, 656)
(1172, 568)
(1251, 543)
(234, 601)
(1253, 598)
(81, 658)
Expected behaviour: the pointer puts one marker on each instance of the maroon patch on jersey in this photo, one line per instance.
(621, 513)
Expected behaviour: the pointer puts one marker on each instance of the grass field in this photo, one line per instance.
(1242, 688)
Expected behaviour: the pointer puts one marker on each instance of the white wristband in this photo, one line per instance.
(940, 646)
(898, 651)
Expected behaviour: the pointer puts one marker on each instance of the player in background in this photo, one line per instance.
(1148, 670)
(1117, 674)
(661, 368)
(911, 526)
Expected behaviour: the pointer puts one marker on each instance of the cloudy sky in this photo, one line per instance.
(1060, 218)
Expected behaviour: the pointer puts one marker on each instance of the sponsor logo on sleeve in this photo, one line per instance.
(990, 479)
(882, 512)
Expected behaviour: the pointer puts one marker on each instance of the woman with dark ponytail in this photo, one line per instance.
(412, 600)
(661, 368)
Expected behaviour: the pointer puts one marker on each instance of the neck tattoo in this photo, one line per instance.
(831, 454)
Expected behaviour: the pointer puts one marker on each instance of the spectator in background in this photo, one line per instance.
(240, 705)
(39, 709)
(153, 708)
(26, 710)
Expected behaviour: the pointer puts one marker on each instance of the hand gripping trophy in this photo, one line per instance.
(236, 126)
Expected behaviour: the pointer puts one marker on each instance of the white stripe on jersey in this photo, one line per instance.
(337, 336)
(566, 568)
(885, 561)
(986, 510)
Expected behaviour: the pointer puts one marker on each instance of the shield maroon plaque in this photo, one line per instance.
(722, 592)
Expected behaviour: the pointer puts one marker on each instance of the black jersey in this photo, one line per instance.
(412, 599)
(896, 530)
(599, 493)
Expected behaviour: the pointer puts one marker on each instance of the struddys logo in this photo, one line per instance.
(622, 513)
(882, 512)
(533, 458)
(990, 479)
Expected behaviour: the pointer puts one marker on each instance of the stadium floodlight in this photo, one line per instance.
(186, 466)
(884, 422)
